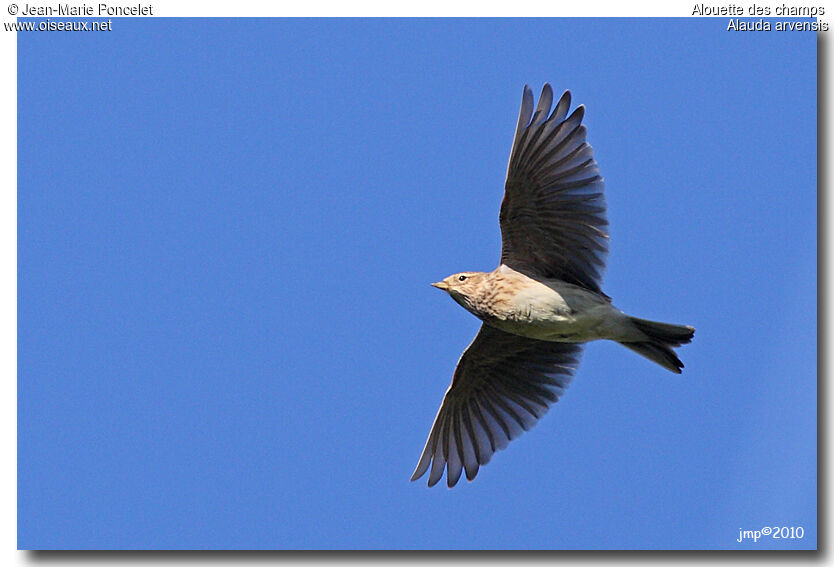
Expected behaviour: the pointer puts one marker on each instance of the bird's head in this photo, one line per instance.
(462, 286)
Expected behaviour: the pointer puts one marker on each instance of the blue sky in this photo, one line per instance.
(226, 233)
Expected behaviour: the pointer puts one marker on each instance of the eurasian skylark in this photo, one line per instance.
(541, 303)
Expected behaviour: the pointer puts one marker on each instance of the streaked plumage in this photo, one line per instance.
(542, 302)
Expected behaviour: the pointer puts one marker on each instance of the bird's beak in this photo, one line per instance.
(441, 285)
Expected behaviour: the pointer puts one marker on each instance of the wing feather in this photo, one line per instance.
(553, 216)
(502, 386)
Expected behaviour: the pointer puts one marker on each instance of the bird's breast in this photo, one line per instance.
(551, 311)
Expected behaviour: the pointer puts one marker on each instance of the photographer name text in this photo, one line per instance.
(86, 10)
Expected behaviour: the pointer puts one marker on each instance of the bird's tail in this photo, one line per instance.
(662, 337)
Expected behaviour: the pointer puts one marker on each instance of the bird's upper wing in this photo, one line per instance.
(502, 385)
(553, 221)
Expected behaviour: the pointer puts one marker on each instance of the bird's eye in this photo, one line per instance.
(461, 278)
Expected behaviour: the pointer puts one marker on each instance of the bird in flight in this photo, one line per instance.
(541, 303)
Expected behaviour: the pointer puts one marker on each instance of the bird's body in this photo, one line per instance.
(542, 302)
(543, 309)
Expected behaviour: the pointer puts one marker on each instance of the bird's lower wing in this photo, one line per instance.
(502, 385)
